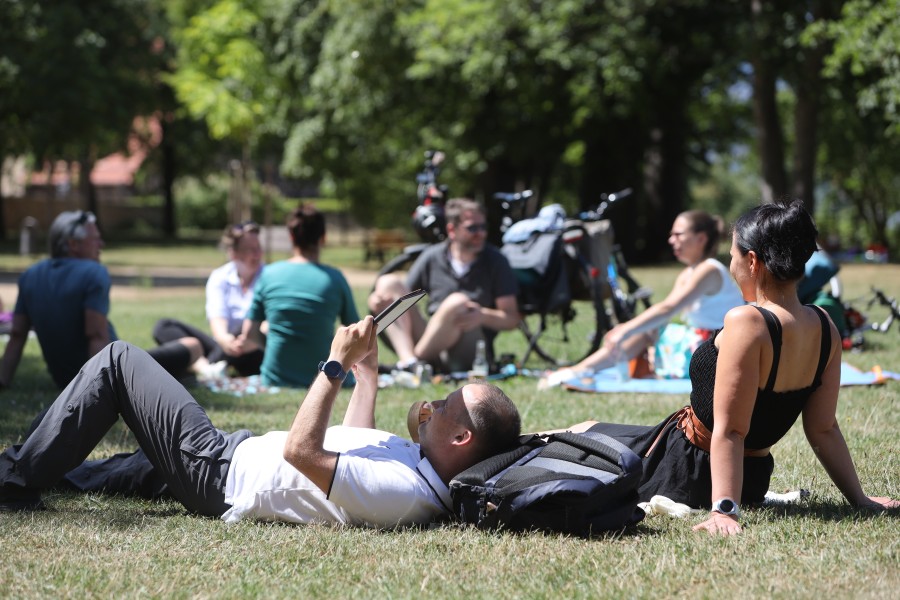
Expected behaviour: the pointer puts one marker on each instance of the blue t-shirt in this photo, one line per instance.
(54, 294)
(301, 302)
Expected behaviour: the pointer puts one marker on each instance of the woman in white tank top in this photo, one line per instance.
(703, 292)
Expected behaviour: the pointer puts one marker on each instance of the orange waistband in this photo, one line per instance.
(697, 433)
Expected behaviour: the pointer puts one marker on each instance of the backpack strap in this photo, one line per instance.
(774, 326)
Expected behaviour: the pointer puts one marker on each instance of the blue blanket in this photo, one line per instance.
(608, 381)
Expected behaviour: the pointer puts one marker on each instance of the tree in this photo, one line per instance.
(222, 77)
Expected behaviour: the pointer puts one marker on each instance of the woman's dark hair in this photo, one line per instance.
(307, 226)
(703, 222)
(782, 234)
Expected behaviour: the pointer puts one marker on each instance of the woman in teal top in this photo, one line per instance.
(301, 299)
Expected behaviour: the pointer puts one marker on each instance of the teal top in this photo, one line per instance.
(301, 302)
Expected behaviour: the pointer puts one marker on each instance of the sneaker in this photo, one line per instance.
(557, 378)
(17, 499)
(212, 371)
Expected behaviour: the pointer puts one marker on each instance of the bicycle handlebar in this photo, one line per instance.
(513, 197)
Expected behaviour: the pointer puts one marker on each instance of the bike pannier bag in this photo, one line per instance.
(543, 281)
(574, 483)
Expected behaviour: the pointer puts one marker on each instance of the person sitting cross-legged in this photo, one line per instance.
(471, 295)
(348, 474)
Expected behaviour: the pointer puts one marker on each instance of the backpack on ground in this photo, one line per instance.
(574, 483)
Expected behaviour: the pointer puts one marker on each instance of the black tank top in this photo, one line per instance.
(774, 412)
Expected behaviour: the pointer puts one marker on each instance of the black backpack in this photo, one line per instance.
(574, 483)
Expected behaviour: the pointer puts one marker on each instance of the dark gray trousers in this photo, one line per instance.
(179, 446)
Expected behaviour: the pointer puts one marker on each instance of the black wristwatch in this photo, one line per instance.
(726, 506)
(333, 370)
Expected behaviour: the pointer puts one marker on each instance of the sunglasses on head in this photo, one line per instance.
(84, 217)
(244, 226)
(476, 227)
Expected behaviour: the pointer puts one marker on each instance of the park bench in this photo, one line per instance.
(380, 243)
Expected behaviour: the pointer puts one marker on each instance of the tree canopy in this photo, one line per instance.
(679, 99)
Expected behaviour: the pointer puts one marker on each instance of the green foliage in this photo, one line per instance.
(222, 75)
(74, 75)
(866, 38)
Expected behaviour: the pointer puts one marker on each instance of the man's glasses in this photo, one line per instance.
(476, 228)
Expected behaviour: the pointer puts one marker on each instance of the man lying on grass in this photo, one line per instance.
(350, 474)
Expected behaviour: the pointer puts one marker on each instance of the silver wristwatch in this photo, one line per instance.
(726, 506)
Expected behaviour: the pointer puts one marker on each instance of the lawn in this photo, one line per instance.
(101, 546)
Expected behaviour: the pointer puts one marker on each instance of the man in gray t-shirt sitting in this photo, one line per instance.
(471, 294)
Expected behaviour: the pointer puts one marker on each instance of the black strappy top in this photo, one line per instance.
(774, 412)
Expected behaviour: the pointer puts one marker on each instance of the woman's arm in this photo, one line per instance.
(824, 435)
(737, 381)
(689, 287)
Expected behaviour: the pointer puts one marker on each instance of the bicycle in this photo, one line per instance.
(858, 323)
(428, 217)
(603, 286)
(601, 290)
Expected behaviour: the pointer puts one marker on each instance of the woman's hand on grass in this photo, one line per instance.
(719, 524)
(880, 503)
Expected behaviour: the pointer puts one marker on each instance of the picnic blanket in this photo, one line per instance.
(239, 386)
(608, 380)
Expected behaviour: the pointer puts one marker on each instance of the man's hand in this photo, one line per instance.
(719, 524)
(353, 343)
(367, 368)
(469, 316)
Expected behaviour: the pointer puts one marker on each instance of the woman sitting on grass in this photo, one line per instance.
(770, 364)
(301, 299)
(702, 294)
(229, 292)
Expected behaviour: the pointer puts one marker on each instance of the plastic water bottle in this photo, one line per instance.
(480, 364)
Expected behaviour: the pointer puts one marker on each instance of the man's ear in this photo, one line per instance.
(463, 437)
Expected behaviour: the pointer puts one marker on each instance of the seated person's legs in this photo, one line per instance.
(605, 358)
(406, 330)
(178, 356)
(445, 330)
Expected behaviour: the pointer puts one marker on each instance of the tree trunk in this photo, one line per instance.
(806, 111)
(88, 191)
(770, 139)
(167, 147)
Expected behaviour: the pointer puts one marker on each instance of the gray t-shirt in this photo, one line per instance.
(488, 278)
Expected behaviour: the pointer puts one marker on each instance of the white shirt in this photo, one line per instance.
(380, 481)
(708, 312)
(225, 296)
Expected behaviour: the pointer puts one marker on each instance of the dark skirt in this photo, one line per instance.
(679, 470)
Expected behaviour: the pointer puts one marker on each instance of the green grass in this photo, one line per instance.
(101, 546)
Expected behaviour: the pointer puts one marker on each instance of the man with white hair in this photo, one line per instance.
(65, 299)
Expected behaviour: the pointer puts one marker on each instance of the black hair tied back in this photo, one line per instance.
(782, 234)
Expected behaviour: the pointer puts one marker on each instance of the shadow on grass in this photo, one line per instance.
(829, 511)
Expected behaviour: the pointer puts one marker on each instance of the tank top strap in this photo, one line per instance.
(824, 345)
(774, 326)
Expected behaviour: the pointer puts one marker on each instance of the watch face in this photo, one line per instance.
(726, 506)
(332, 369)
